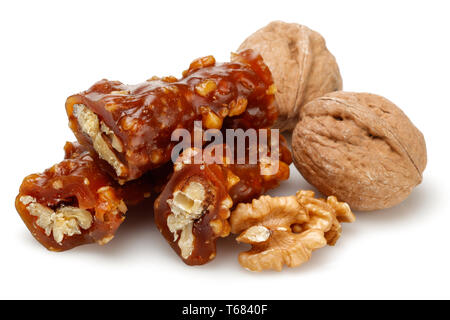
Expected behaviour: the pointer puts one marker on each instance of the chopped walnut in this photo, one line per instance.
(193, 210)
(203, 62)
(95, 129)
(238, 106)
(231, 179)
(211, 120)
(187, 206)
(64, 221)
(120, 92)
(205, 87)
(255, 234)
(115, 142)
(57, 184)
(272, 89)
(318, 209)
(285, 230)
(108, 202)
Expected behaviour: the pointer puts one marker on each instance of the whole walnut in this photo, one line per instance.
(359, 147)
(302, 67)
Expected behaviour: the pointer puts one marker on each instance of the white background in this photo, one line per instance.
(52, 49)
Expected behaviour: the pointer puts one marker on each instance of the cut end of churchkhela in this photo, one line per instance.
(104, 141)
(72, 203)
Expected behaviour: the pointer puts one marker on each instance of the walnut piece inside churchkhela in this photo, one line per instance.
(192, 212)
(72, 203)
(194, 207)
(130, 126)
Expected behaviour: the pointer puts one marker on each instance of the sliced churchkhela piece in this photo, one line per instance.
(72, 203)
(130, 126)
(193, 209)
(75, 202)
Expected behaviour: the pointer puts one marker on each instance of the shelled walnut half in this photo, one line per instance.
(285, 230)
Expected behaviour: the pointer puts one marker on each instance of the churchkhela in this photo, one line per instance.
(130, 126)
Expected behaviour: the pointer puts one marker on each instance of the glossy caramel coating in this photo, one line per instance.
(252, 183)
(225, 182)
(76, 182)
(204, 243)
(142, 117)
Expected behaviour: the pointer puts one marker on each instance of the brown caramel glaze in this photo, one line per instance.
(144, 116)
(74, 182)
(252, 183)
(216, 178)
(211, 177)
(261, 111)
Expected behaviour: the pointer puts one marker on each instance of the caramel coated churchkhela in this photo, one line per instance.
(130, 126)
(193, 209)
(75, 202)
(72, 203)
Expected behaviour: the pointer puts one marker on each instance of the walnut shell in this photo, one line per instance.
(361, 148)
(302, 67)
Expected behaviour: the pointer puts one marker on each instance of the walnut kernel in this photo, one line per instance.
(205, 87)
(238, 106)
(211, 120)
(285, 230)
(64, 221)
(94, 128)
(186, 206)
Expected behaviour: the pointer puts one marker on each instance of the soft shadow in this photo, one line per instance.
(412, 208)
(288, 136)
(421, 199)
(139, 231)
(138, 226)
(228, 250)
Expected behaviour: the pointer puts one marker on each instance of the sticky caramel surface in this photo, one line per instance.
(239, 94)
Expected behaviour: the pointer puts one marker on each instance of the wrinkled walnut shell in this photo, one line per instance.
(361, 148)
(301, 65)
